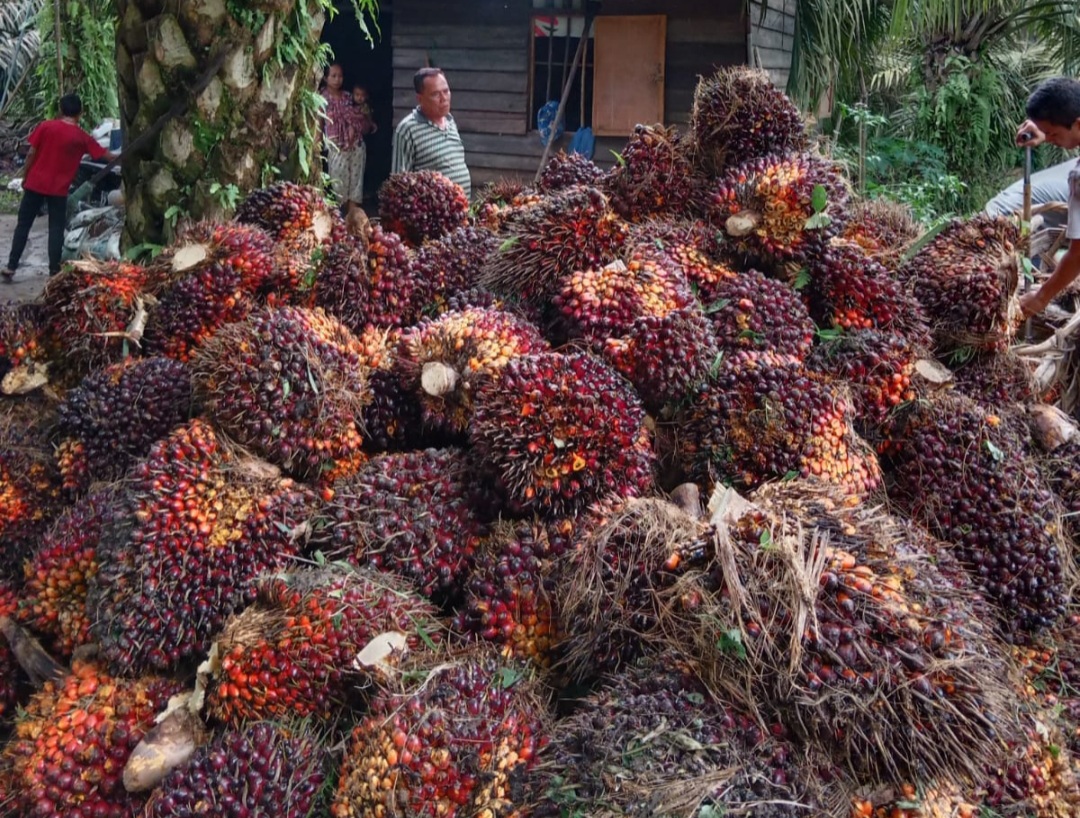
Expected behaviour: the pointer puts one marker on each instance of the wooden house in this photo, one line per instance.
(505, 58)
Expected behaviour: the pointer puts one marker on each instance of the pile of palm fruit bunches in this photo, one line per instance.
(693, 487)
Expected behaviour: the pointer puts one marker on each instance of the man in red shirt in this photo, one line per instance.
(56, 149)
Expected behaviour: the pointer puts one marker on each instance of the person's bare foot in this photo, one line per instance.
(7, 274)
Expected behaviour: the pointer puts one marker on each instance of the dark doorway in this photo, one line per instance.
(371, 67)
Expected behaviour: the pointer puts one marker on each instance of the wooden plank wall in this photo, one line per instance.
(484, 48)
(772, 37)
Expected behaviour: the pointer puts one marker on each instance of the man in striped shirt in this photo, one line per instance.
(427, 139)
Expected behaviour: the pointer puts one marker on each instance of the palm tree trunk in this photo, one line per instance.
(255, 119)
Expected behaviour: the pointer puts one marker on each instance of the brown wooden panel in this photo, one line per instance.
(471, 101)
(477, 122)
(467, 59)
(722, 9)
(409, 35)
(628, 77)
(714, 30)
(505, 81)
(528, 145)
(482, 12)
(500, 161)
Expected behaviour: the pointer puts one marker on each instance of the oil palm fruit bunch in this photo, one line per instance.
(664, 357)
(595, 304)
(627, 584)
(392, 421)
(421, 205)
(95, 311)
(452, 264)
(850, 290)
(994, 379)
(653, 176)
(876, 366)
(498, 199)
(884, 229)
(565, 170)
(259, 769)
(116, 414)
(884, 663)
(243, 249)
(195, 530)
(399, 292)
(293, 652)
(343, 283)
(571, 230)
(750, 312)
(966, 279)
(67, 754)
(21, 336)
(561, 431)
(445, 360)
(30, 490)
(740, 115)
(289, 383)
(58, 575)
(763, 417)
(510, 593)
(414, 514)
(953, 467)
(1063, 472)
(11, 681)
(294, 215)
(653, 728)
(451, 743)
(779, 209)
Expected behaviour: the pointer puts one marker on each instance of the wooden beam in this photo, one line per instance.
(505, 81)
(462, 59)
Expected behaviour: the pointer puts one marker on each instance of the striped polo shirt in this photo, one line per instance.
(420, 145)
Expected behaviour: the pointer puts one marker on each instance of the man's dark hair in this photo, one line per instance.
(1057, 101)
(420, 76)
(70, 105)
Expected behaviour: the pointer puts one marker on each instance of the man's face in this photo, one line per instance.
(1067, 138)
(434, 99)
(334, 77)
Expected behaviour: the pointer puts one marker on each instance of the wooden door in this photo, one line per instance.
(628, 79)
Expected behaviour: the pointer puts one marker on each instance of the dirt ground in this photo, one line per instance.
(33, 270)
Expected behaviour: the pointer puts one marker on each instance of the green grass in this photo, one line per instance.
(9, 199)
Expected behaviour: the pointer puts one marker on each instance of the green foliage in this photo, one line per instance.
(88, 50)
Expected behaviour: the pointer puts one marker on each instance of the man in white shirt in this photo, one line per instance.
(1053, 112)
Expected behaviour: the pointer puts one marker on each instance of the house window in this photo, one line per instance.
(556, 35)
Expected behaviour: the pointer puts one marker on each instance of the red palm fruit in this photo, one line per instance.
(94, 311)
(422, 205)
(450, 743)
(256, 770)
(294, 215)
(1062, 468)
(509, 596)
(393, 420)
(561, 431)
(415, 514)
(966, 279)
(851, 291)
(69, 748)
(877, 368)
(953, 467)
(654, 176)
(446, 360)
(664, 357)
(59, 573)
(196, 529)
(499, 199)
(765, 417)
(571, 230)
(239, 251)
(343, 283)
(22, 337)
(780, 208)
(752, 313)
(565, 170)
(453, 263)
(116, 414)
(293, 652)
(740, 115)
(597, 304)
(289, 383)
(994, 379)
(884, 229)
(399, 291)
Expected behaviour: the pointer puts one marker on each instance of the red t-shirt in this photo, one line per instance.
(60, 147)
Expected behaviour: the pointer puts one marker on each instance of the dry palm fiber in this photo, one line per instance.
(422, 205)
(198, 526)
(22, 338)
(450, 737)
(12, 681)
(289, 383)
(955, 468)
(966, 279)
(654, 176)
(753, 313)
(654, 740)
(572, 230)
(293, 652)
(883, 229)
(415, 514)
(498, 200)
(559, 432)
(116, 414)
(445, 360)
(259, 769)
(763, 417)
(1062, 469)
(821, 611)
(565, 170)
(740, 115)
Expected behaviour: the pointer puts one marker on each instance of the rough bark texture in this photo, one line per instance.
(246, 121)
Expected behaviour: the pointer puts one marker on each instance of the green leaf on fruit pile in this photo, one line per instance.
(819, 199)
(695, 698)
(926, 238)
(802, 279)
(619, 158)
(829, 333)
(789, 476)
(818, 221)
(286, 388)
(765, 540)
(509, 244)
(731, 643)
(717, 305)
(508, 677)
(995, 452)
